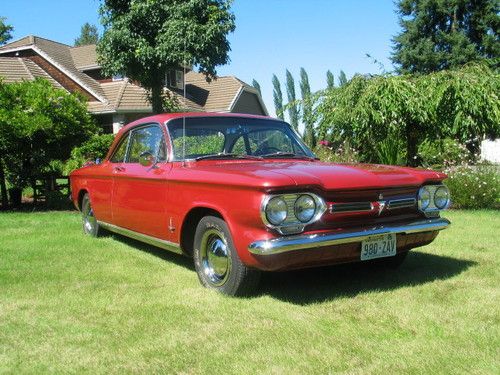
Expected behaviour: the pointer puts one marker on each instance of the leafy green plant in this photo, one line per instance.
(95, 148)
(443, 153)
(474, 186)
(333, 152)
(390, 151)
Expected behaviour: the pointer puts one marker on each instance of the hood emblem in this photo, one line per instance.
(380, 196)
(381, 207)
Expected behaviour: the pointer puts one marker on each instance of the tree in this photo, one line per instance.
(342, 78)
(371, 110)
(88, 35)
(278, 97)
(5, 31)
(143, 40)
(38, 124)
(330, 80)
(293, 108)
(257, 86)
(444, 34)
(307, 109)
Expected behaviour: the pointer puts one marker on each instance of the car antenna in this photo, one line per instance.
(184, 116)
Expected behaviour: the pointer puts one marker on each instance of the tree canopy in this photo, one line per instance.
(293, 108)
(5, 31)
(278, 97)
(444, 34)
(145, 39)
(88, 35)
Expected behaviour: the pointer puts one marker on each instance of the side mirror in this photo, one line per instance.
(146, 159)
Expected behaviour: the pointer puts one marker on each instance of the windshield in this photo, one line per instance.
(207, 137)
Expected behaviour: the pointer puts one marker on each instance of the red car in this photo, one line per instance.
(242, 194)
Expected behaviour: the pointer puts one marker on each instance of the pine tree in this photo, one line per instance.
(278, 97)
(330, 80)
(88, 35)
(342, 78)
(307, 111)
(443, 34)
(256, 85)
(293, 109)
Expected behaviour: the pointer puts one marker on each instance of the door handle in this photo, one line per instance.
(118, 169)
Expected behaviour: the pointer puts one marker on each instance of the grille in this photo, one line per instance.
(350, 207)
(290, 203)
(401, 203)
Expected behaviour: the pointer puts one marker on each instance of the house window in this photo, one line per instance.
(175, 79)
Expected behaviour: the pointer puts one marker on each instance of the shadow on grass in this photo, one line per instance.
(320, 284)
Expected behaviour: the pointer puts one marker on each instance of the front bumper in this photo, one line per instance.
(311, 241)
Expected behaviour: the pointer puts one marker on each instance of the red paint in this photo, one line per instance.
(149, 200)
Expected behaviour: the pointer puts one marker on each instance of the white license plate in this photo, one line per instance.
(378, 247)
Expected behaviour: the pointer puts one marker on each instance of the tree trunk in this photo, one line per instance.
(3, 187)
(157, 99)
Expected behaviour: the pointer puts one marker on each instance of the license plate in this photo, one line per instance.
(378, 247)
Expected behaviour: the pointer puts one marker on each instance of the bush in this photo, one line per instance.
(443, 153)
(95, 148)
(336, 152)
(474, 186)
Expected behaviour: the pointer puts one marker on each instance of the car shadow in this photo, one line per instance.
(315, 285)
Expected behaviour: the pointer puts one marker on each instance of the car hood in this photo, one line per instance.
(327, 176)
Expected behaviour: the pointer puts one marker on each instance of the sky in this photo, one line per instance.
(270, 35)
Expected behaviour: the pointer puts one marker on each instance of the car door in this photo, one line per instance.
(139, 192)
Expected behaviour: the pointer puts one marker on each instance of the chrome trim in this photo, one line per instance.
(401, 203)
(350, 207)
(167, 245)
(311, 241)
(321, 207)
(432, 206)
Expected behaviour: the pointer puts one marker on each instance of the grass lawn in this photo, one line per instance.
(71, 304)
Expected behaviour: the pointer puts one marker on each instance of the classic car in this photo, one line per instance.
(243, 194)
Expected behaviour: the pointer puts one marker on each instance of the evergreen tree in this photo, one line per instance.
(88, 35)
(307, 110)
(257, 86)
(342, 78)
(443, 34)
(293, 109)
(278, 97)
(330, 80)
(5, 31)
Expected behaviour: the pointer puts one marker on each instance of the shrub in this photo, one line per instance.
(95, 148)
(474, 186)
(443, 153)
(336, 153)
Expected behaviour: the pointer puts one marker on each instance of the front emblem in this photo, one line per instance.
(380, 196)
(381, 206)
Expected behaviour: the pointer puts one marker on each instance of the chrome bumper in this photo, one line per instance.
(308, 241)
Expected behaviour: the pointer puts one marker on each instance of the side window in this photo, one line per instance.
(121, 150)
(147, 139)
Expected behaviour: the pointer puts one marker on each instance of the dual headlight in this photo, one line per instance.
(292, 209)
(433, 198)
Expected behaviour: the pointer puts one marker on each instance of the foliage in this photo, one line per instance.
(5, 31)
(88, 35)
(307, 109)
(293, 109)
(278, 98)
(474, 186)
(443, 34)
(391, 151)
(336, 152)
(96, 147)
(143, 40)
(39, 123)
(256, 85)
(442, 153)
(342, 78)
(330, 80)
(461, 104)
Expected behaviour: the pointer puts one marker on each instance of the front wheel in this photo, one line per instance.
(90, 225)
(216, 261)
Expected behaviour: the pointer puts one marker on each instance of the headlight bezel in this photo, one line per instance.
(279, 200)
(292, 225)
(431, 207)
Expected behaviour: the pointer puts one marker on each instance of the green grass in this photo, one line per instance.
(72, 304)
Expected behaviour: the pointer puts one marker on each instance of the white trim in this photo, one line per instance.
(235, 99)
(251, 91)
(57, 65)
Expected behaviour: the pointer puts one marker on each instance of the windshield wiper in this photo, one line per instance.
(222, 155)
(280, 154)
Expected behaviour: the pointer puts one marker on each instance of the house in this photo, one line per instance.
(115, 101)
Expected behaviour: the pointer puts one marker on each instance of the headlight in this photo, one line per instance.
(305, 208)
(424, 198)
(441, 197)
(276, 210)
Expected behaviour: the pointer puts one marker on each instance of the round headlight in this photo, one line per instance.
(424, 198)
(305, 208)
(276, 210)
(441, 197)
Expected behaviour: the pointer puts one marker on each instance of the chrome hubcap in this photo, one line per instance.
(89, 220)
(215, 257)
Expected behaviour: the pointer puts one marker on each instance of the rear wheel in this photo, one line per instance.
(216, 261)
(90, 225)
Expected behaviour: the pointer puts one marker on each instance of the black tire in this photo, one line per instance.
(89, 222)
(216, 261)
(393, 262)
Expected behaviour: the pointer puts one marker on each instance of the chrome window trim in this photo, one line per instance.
(321, 208)
(164, 244)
